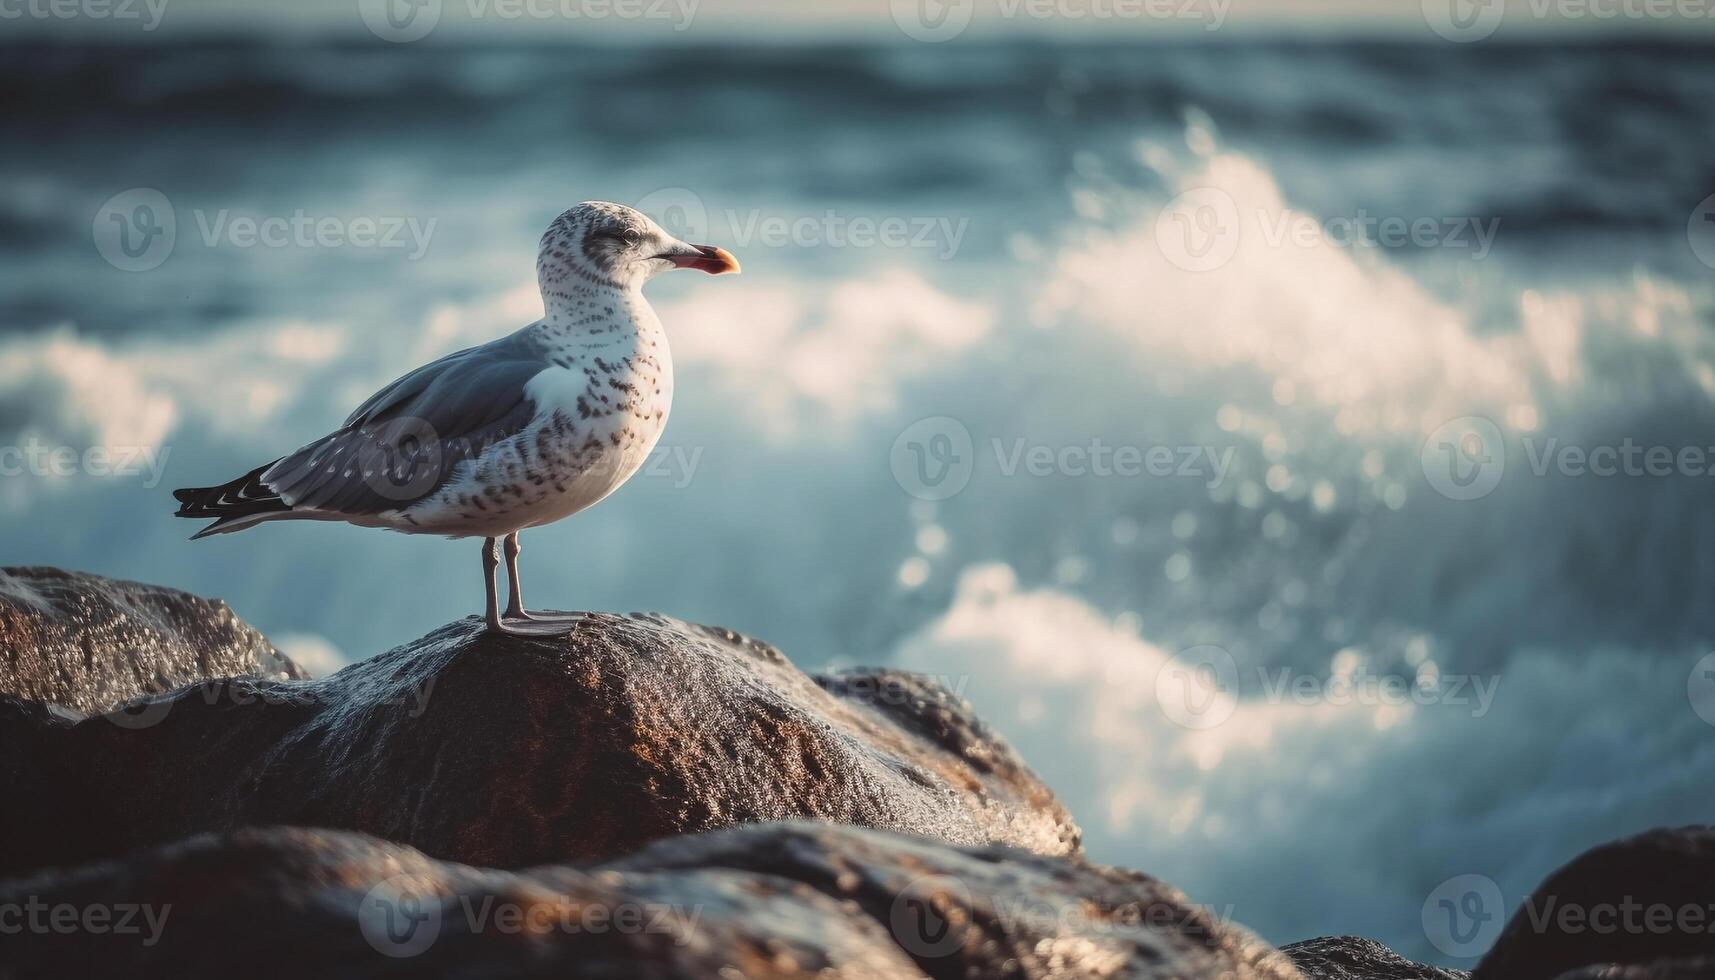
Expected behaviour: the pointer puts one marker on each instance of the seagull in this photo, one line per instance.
(517, 433)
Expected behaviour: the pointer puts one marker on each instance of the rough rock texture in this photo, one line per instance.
(509, 751)
(631, 732)
(1597, 910)
(1355, 958)
(91, 643)
(774, 900)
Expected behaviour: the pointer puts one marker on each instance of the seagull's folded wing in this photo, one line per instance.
(406, 441)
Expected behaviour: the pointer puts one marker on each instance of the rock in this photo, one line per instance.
(1355, 958)
(27, 729)
(1631, 902)
(1701, 968)
(763, 901)
(91, 643)
(509, 751)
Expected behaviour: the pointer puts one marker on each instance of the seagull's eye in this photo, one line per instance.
(625, 239)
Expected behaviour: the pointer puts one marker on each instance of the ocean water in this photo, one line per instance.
(1055, 370)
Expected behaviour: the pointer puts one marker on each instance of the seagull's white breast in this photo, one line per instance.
(600, 410)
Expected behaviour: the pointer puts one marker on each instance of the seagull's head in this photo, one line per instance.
(615, 245)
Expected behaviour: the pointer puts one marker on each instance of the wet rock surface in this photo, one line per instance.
(1356, 958)
(508, 751)
(775, 900)
(616, 798)
(90, 643)
(1636, 901)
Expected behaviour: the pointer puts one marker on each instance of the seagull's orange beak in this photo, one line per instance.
(709, 258)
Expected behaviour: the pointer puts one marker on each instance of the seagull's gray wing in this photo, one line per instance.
(405, 441)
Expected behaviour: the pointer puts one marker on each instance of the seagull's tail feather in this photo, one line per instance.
(234, 506)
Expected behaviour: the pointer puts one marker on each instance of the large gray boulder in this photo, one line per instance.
(792, 900)
(1633, 903)
(91, 643)
(508, 751)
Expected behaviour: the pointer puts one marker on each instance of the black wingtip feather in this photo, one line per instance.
(242, 497)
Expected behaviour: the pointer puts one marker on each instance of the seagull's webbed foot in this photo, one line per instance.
(517, 614)
(533, 627)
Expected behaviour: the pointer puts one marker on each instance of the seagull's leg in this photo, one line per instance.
(552, 622)
(515, 607)
(490, 559)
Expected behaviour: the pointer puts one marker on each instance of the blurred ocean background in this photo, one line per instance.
(1056, 316)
